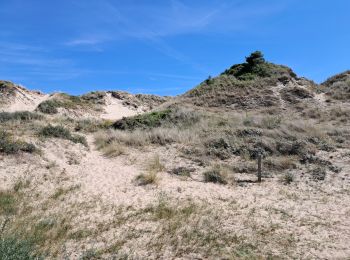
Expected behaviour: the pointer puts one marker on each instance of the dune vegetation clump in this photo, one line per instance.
(61, 132)
(11, 145)
(20, 116)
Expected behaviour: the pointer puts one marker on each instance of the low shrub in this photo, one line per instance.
(20, 115)
(148, 120)
(62, 133)
(318, 174)
(220, 148)
(155, 165)
(216, 175)
(147, 178)
(8, 145)
(49, 106)
(287, 178)
(182, 171)
(292, 148)
(113, 149)
(166, 118)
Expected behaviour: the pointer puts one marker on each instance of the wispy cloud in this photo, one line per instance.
(154, 22)
(83, 41)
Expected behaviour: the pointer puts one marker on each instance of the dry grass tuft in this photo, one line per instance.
(147, 178)
(154, 164)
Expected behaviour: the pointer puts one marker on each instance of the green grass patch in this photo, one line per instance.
(8, 203)
(165, 118)
(12, 248)
(62, 133)
(147, 120)
(68, 102)
(20, 116)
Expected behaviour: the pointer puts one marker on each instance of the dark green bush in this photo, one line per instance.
(319, 174)
(62, 133)
(8, 145)
(287, 178)
(20, 115)
(257, 67)
(215, 175)
(55, 131)
(49, 106)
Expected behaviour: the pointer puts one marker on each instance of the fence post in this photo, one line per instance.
(259, 167)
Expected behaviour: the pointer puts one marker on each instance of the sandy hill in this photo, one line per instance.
(111, 175)
(14, 97)
(105, 104)
(252, 85)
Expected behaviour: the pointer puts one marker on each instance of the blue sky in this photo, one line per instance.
(164, 46)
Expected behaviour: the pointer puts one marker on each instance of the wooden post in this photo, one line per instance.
(259, 167)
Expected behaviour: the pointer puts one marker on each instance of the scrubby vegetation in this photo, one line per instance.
(147, 178)
(12, 248)
(88, 102)
(257, 67)
(286, 144)
(10, 145)
(169, 117)
(21, 116)
(217, 174)
(61, 132)
(338, 86)
(49, 106)
(139, 100)
(6, 90)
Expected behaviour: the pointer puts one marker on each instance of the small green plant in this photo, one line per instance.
(113, 149)
(8, 203)
(216, 175)
(287, 178)
(155, 165)
(62, 133)
(147, 178)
